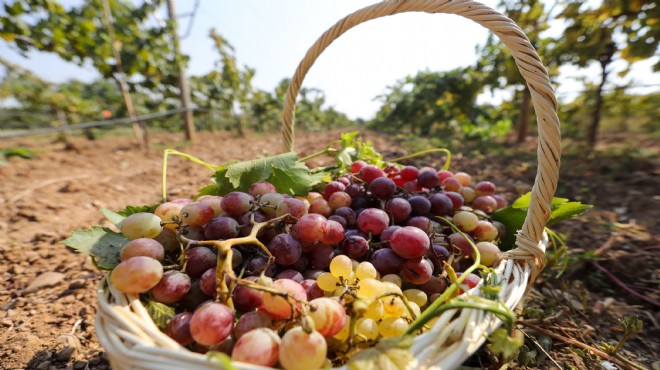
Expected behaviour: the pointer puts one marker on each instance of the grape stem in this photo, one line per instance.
(423, 152)
(403, 298)
(189, 157)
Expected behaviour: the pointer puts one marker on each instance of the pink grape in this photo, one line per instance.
(373, 220)
(435, 285)
(501, 202)
(136, 275)
(169, 240)
(236, 203)
(382, 187)
(410, 242)
(485, 188)
(331, 188)
(399, 209)
(485, 203)
(422, 223)
(371, 172)
(196, 214)
(199, 259)
(348, 214)
(278, 307)
(488, 253)
(485, 231)
(221, 228)
(339, 199)
(333, 234)
(269, 202)
(417, 271)
(261, 188)
(214, 201)
(409, 173)
(321, 207)
(179, 328)
(246, 298)
(294, 207)
(456, 199)
(211, 323)
(312, 289)
(207, 281)
(357, 166)
(443, 174)
(471, 281)
(311, 227)
(329, 316)
(171, 288)
(252, 320)
(258, 347)
(355, 247)
(458, 241)
(168, 212)
(142, 247)
(302, 351)
(451, 184)
(464, 178)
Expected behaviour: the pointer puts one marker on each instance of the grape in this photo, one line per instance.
(331, 188)
(370, 288)
(441, 205)
(207, 281)
(321, 207)
(196, 214)
(416, 296)
(419, 205)
(488, 252)
(346, 180)
(294, 207)
(428, 179)
(443, 174)
(410, 242)
(252, 320)
(348, 214)
(456, 199)
(285, 249)
(463, 245)
(302, 351)
(329, 316)
(194, 297)
(312, 289)
(412, 186)
(311, 227)
(214, 202)
(387, 233)
(451, 184)
(313, 195)
(278, 307)
(464, 178)
(382, 187)
(399, 209)
(261, 188)
(222, 227)
(182, 201)
(340, 220)
(290, 274)
(422, 223)
(366, 270)
(398, 180)
(169, 212)
(466, 221)
(367, 328)
(211, 323)
(409, 173)
(371, 172)
(485, 188)
(246, 221)
(468, 194)
(136, 275)
(327, 281)
(269, 202)
(485, 203)
(417, 271)
(192, 232)
(142, 247)
(178, 328)
(258, 347)
(301, 264)
(246, 298)
(373, 220)
(257, 264)
(471, 281)
(171, 287)
(435, 285)
(333, 234)
(387, 262)
(236, 203)
(339, 199)
(485, 231)
(341, 266)
(437, 254)
(392, 327)
(141, 225)
(501, 229)
(394, 307)
(357, 166)
(199, 259)
(392, 278)
(353, 190)
(501, 202)
(169, 240)
(320, 256)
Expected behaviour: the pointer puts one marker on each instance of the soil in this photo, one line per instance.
(47, 292)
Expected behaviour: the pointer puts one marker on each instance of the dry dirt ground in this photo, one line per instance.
(47, 292)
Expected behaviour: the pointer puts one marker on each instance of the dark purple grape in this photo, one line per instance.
(192, 232)
(312, 274)
(399, 209)
(347, 214)
(360, 202)
(387, 262)
(354, 190)
(355, 247)
(382, 187)
(456, 199)
(301, 264)
(422, 223)
(331, 188)
(221, 228)
(387, 233)
(198, 260)
(435, 285)
(338, 219)
(312, 289)
(441, 205)
(207, 282)
(257, 264)
(320, 257)
(290, 274)
(285, 249)
(194, 297)
(419, 205)
(179, 328)
(171, 287)
(417, 271)
(428, 179)
(437, 254)
(246, 299)
(245, 221)
(252, 320)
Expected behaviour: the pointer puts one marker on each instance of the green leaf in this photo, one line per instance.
(501, 343)
(211, 189)
(513, 219)
(388, 354)
(113, 217)
(101, 243)
(284, 171)
(222, 359)
(129, 210)
(568, 210)
(160, 313)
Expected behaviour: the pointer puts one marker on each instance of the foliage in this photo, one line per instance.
(101, 243)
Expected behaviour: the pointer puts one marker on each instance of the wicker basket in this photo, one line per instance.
(133, 341)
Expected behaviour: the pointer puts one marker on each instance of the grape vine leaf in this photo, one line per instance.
(101, 243)
(160, 313)
(284, 171)
(129, 210)
(112, 216)
(388, 354)
(513, 216)
(501, 343)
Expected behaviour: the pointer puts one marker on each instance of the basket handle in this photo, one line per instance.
(529, 65)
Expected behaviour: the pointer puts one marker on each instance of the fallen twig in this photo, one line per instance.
(623, 285)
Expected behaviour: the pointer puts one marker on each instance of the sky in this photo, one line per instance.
(273, 36)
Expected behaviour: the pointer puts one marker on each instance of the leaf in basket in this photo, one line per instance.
(113, 217)
(284, 171)
(501, 343)
(222, 359)
(101, 243)
(160, 313)
(129, 210)
(388, 354)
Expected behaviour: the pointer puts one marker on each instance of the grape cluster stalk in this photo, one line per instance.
(306, 281)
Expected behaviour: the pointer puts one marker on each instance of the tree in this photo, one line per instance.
(615, 29)
(498, 66)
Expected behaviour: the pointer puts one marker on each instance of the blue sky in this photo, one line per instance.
(272, 36)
